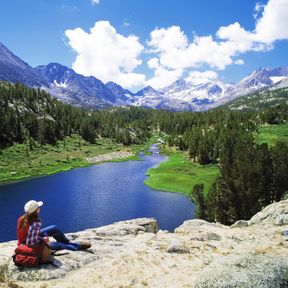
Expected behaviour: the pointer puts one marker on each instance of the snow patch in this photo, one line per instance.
(61, 84)
(276, 79)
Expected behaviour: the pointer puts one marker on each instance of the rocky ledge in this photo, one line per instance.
(198, 254)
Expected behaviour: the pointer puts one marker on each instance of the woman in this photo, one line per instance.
(29, 231)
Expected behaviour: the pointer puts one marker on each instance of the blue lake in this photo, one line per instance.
(94, 196)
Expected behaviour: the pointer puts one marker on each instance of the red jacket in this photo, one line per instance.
(22, 230)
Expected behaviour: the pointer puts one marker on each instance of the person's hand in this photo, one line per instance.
(46, 239)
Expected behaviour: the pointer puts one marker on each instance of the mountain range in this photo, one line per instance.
(89, 92)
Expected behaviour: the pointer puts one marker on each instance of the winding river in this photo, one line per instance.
(94, 196)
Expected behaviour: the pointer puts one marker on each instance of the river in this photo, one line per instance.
(94, 196)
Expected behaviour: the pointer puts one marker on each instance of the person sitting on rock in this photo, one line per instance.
(29, 231)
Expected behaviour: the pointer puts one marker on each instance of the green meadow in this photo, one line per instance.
(18, 161)
(272, 133)
(179, 174)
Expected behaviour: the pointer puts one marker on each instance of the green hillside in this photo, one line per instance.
(260, 100)
(19, 162)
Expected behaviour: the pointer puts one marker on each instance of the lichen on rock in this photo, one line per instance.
(245, 271)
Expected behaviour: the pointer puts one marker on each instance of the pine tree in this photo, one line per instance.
(197, 196)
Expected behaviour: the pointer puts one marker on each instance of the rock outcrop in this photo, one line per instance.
(110, 157)
(198, 254)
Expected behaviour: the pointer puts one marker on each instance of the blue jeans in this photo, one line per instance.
(59, 236)
(55, 232)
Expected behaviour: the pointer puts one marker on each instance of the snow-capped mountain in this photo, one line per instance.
(262, 77)
(74, 88)
(215, 93)
(202, 96)
(68, 86)
(279, 85)
(149, 97)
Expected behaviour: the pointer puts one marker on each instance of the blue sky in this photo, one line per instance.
(149, 42)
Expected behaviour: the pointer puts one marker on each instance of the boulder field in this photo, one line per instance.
(198, 254)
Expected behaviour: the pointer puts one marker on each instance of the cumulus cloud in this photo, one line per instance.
(153, 63)
(237, 38)
(181, 55)
(110, 56)
(174, 51)
(107, 55)
(272, 26)
(197, 77)
(168, 39)
(164, 77)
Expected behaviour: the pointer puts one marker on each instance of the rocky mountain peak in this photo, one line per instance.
(13, 69)
(148, 90)
(89, 92)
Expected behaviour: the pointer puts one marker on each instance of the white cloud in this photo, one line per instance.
(239, 62)
(237, 38)
(107, 55)
(177, 54)
(272, 26)
(153, 63)
(168, 39)
(164, 77)
(197, 77)
(173, 51)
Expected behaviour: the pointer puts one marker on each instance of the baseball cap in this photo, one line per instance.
(32, 206)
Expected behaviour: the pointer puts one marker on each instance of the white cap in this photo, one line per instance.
(32, 206)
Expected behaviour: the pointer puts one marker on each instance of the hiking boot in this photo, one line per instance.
(84, 245)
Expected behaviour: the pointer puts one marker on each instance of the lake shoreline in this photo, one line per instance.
(19, 161)
(178, 174)
(99, 159)
(101, 194)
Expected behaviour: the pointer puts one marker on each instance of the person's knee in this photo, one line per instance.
(53, 227)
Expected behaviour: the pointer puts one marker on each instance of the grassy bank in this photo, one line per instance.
(18, 162)
(179, 174)
(272, 133)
